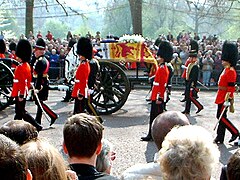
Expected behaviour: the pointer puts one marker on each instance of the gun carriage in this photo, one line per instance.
(113, 83)
(6, 81)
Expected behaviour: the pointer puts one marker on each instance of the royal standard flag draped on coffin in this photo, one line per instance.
(130, 52)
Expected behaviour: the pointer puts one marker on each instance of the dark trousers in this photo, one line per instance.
(85, 106)
(190, 99)
(224, 124)
(46, 109)
(21, 113)
(156, 109)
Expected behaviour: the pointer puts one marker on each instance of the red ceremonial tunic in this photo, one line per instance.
(189, 60)
(2, 55)
(226, 83)
(160, 82)
(22, 80)
(81, 79)
(13, 56)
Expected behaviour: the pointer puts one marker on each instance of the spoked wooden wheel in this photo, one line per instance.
(112, 90)
(6, 81)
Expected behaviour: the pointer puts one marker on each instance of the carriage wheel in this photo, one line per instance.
(6, 81)
(113, 88)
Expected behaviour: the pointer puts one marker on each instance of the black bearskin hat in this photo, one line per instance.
(12, 46)
(40, 44)
(193, 49)
(230, 53)
(165, 51)
(2, 46)
(24, 50)
(84, 48)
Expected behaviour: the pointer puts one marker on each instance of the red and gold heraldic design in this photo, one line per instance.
(131, 52)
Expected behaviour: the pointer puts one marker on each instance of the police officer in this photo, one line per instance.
(41, 82)
(164, 55)
(21, 82)
(191, 79)
(226, 88)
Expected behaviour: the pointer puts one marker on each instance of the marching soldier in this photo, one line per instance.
(41, 82)
(191, 79)
(226, 88)
(85, 71)
(21, 82)
(164, 55)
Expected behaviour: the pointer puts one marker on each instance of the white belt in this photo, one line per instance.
(15, 80)
(155, 83)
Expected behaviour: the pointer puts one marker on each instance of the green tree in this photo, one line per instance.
(57, 28)
(7, 25)
(117, 18)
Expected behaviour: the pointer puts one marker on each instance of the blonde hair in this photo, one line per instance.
(188, 152)
(44, 161)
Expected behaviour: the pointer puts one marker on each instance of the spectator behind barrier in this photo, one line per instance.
(232, 170)
(106, 157)
(13, 165)
(19, 131)
(162, 124)
(188, 152)
(44, 161)
(82, 134)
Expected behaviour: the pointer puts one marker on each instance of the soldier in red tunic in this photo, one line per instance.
(226, 88)
(21, 82)
(164, 55)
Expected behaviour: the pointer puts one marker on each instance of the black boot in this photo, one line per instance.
(27, 117)
(53, 120)
(234, 137)
(147, 138)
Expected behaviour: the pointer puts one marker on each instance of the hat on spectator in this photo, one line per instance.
(40, 44)
(165, 51)
(2, 46)
(24, 50)
(193, 48)
(12, 46)
(230, 53)
(84, 48)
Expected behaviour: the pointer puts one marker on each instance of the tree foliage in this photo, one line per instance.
(117, 18)
(57, 28)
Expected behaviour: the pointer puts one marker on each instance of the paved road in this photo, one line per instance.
(125, 127)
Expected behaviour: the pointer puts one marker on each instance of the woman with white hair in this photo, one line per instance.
(188, 152)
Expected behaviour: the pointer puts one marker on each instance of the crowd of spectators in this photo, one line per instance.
(209, 55)
(193, 155)
(209, 51)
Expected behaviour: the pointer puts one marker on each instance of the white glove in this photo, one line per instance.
(226, 104)
(183, 67)
(36, 91)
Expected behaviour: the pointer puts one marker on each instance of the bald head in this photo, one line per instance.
(164, 122)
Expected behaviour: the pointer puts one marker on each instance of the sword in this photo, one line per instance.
(220, 117)
(202, 85)
(40, 105)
